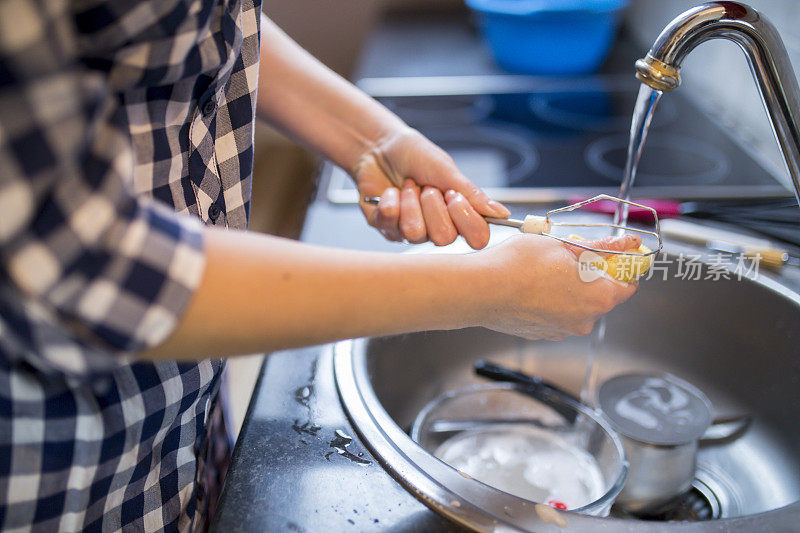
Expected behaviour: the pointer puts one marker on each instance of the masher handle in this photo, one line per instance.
(531, 224)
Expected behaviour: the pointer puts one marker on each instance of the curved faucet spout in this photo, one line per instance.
(764, 49)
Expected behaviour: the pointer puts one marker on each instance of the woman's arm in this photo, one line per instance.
(313, 104)
(261, 293)
(308, 101)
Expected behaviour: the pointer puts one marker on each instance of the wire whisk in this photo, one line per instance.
(543, 225)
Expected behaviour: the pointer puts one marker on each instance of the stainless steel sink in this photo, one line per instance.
(738, 341)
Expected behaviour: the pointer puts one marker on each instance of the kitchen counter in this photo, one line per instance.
(287, 474)
(298, 464)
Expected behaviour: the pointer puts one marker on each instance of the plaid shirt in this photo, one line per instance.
(114, 114)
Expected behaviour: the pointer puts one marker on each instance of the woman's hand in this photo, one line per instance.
(537, 292)
(423, 194)
(386, 158)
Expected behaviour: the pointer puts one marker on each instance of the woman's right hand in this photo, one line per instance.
(536, 291)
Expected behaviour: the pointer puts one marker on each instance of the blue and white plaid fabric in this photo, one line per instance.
(114, 115)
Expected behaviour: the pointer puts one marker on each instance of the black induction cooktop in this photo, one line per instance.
(530, 139)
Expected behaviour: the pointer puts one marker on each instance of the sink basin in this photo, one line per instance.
(737, 340)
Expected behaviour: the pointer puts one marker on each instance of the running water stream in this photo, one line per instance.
(646, 103)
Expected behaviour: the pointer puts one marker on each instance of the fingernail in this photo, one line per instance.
(499, 209)
(450, 195)
(408, 183)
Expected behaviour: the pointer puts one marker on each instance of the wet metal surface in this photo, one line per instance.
(299, 466)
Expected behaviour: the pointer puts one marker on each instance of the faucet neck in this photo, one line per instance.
(764, 49)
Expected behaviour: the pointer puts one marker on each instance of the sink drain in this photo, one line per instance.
(699, 504)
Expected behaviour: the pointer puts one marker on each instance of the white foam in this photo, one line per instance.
(646, 407)
(526, 461)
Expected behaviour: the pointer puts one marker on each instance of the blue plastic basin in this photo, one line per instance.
(550, 37)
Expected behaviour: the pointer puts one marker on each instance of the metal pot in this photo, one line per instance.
(657, 474)
(661, 420)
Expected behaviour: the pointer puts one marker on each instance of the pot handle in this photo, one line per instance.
(537, 384)
(534, 386)
(726, 429)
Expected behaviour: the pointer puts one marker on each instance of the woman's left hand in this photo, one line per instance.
(423, 194)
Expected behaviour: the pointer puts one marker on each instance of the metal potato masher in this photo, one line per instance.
(542, 225)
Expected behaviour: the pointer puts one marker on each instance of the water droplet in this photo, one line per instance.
(303, 394)
(307, 428)
(340, 442)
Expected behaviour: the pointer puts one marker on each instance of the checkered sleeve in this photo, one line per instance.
(113, 270)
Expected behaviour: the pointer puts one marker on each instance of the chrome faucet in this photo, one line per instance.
(765, 52)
